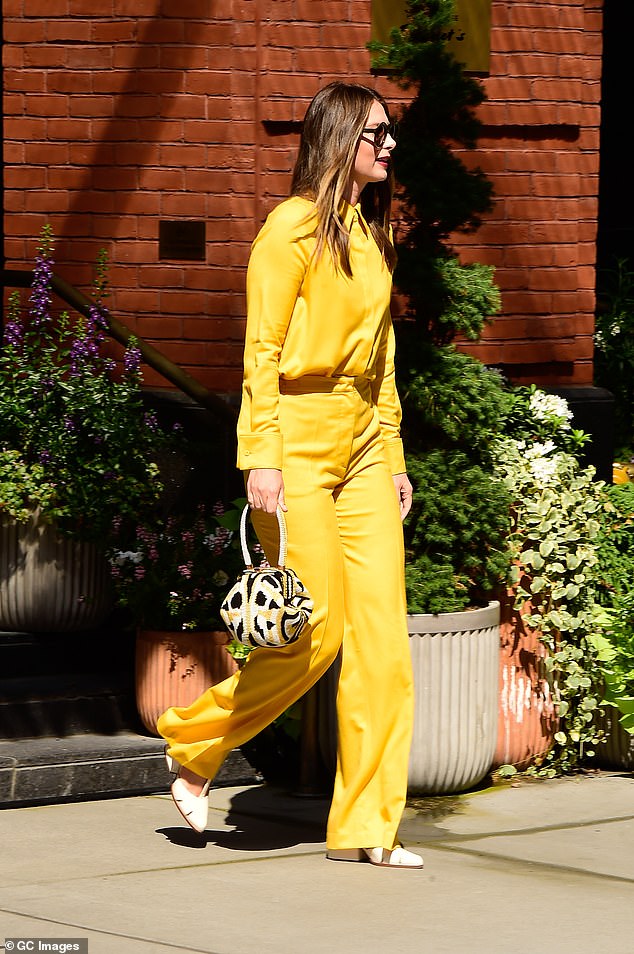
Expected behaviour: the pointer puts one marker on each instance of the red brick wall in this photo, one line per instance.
(541, 150)
(120, 113)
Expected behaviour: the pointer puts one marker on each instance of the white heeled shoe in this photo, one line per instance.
(381, 857)
(193, 808)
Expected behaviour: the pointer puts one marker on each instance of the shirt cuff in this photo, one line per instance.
(395, 455)
(259, 450)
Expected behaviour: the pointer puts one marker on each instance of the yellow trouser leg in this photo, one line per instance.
(375, 697)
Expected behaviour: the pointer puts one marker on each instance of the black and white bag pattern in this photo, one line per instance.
(267, 606)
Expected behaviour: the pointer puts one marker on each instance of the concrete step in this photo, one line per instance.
(69, 727)
(87, 766)
(62, 705)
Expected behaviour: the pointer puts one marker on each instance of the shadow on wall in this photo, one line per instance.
(206, 469)
(111, 178)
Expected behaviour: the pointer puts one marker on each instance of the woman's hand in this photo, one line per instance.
(265, 489)
(404, 492)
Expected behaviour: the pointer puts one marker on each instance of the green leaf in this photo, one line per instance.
(506, 771)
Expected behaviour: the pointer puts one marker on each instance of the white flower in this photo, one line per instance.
(615, 330)
(550, 408)
(127, 556)
(544, 470)
(537, 450)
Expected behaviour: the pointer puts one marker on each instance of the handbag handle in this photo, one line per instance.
(246, 556)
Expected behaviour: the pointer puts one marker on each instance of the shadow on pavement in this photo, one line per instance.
(263, 819)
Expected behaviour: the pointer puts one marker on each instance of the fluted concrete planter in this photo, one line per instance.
(173, 669)
(617, 752)
(456, 665)
(48, 582)
(527, 719)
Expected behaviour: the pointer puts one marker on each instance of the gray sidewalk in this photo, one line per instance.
(536, 866)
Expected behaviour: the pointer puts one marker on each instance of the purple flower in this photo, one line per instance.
(82, 352)
(69, 424)
(185, 570)
(132, 360)
(45, 457)
(14, 334)
(151, 421)
(139, 572)
(223, 536)
(97, 324)
(40, 300)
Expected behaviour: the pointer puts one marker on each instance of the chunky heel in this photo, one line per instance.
(346, 854)
(398, 857)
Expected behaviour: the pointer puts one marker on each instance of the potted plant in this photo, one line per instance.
(552, 686)
(452, 408)
(171, 574)
(614, 642)
(76, 449)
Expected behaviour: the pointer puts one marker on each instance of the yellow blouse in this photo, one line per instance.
(307, 318)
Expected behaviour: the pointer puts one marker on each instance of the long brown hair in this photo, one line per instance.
(333, 125)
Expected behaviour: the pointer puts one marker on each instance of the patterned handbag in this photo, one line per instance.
(267, 606)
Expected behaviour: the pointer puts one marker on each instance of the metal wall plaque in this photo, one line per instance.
(182, 241)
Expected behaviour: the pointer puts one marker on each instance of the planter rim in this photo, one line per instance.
(219, 636)
(472, 619)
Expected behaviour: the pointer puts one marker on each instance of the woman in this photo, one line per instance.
(318, 435)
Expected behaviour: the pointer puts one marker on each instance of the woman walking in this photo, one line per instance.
(318, 435)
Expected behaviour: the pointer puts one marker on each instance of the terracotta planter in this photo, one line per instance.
(527, 719)
(456, 665)
(50, 583)
(173, 669)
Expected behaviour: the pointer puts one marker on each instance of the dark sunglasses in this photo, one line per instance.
(380, 134)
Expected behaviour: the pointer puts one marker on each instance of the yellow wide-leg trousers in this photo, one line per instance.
(345, 542)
